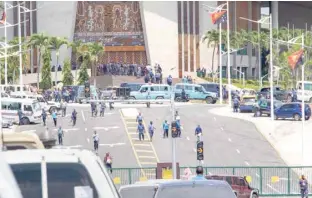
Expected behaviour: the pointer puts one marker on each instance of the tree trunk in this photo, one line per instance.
(56, 68)
(76, 72)
(38, 69)
(213, 56)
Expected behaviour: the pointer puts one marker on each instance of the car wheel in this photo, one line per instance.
(307, 117)
(159, 98)
(52, 109)
(275, 117)
(25, 121)
(209, 100)
(131, 98)
(178, 99)
(297, 117)
(254, 195)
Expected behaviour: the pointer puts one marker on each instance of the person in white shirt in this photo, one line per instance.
(96, 140)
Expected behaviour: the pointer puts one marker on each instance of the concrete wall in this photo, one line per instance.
(300, 14)
(57, 18)
(32, 78)
(159, 19)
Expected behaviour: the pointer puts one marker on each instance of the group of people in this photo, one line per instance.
(94, 108)
(120, 69)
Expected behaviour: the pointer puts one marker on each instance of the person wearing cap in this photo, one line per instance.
(199, 174)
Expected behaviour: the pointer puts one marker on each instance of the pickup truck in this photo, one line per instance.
(278, 93)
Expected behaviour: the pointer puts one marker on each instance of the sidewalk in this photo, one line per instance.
(284, 135)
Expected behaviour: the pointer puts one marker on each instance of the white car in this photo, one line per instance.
(6, 122)
(64, 172)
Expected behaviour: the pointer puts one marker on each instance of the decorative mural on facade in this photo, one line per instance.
(112, 23)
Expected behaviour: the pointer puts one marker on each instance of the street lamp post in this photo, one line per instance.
(263, 21)
(228, 55)
(241, 73)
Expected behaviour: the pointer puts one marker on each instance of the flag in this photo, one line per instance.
(3, 18)
(218, 17)
(295, 58)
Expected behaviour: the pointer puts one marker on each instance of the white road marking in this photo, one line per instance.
(273, 188)
(105, 128)
(148, 163)
(88, 140)
(66, 130)
(194, 149)
(202, 162)
(30, 131)
(75, 146)
(215, 119)
(112, 145)
(144, 151)
(222, 129)
(237, 151)
(147, 157)
(67, 115)
(187, 138)
(83, 117)
(230, 140)
(86, 129)
(247, 163)
(132, 133)
(145, 145)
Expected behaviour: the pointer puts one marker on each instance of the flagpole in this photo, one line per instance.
(271, 69)
(20, 47)
(220, 63)
(302, 104)
(228, 54)
(5, 49)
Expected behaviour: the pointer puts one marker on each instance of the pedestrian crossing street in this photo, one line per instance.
(144, 151)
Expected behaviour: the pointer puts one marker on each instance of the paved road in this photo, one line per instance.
(113, 138)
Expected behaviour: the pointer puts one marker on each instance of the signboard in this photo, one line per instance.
(164, 171)
(167, 173)
(200, 150)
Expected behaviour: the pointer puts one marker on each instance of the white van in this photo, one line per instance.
(31, 110)
(46, 105)
(68, 172)
(8, 184)
(307, 91)
(13, 88)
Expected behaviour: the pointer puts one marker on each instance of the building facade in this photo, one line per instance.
(147, 32)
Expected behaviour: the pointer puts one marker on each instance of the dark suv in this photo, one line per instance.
(239, 185)
(211, 87)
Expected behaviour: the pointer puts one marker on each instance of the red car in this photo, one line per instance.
(239, 185)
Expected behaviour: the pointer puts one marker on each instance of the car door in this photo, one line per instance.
(244, 188)
(198, 92)
(143, 93)
(285, 111)
(189, 91)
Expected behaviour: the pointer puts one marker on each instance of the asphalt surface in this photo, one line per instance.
(227, 142)
(110, 128)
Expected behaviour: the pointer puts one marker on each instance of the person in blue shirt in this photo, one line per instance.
(54, 116)
(178, 125)
(139, 118)
(198, 130)
(151, 130)
(141, 131)
(235, 104)
(44, 117)
(166, 129)
(60, 135)
(199, 174)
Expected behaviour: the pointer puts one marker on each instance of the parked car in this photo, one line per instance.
(247, 103)
(239, 184)
(211, 87)
(278, 94)
(155, 91)
(267, 110)
(195, 92)
(132, 86)
(292, 110)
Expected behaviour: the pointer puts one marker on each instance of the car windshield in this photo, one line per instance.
(207, 191)
(63, 179)
(41, 99)
(36, 106)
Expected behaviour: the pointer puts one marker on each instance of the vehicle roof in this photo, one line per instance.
(18, 99)
(196, 85)
(156, 181)
(193, 183)
(22, 138)
(208, 83)
(51, 155)
(224, 176)
(133, 83)
(155, 85)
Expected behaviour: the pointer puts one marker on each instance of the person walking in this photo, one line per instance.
(96, 140)
(166, 129)
(64, 108)
(303, 183)
(102, 110)
(20, 115)
(139, 118)
(74, 117)
(235, 104)
(141, 131)
(54, 117)
(60, 135)
(44, 117)
(151, 130)
(199, 174)
(108, 161)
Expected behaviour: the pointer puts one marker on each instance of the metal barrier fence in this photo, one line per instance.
(271, 181)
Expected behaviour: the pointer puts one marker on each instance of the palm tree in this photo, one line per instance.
(76, 50)
(56, 43)
(39, 41)
(212, 37)
(95, 51)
